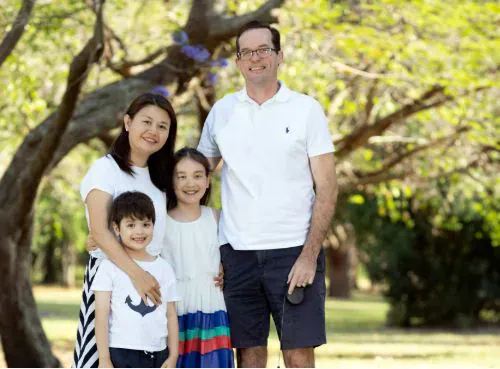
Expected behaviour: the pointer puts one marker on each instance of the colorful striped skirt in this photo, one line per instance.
(204, 334)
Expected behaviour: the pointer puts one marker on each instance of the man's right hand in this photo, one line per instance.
(147, 286)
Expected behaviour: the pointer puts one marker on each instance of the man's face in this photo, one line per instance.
(259, 71)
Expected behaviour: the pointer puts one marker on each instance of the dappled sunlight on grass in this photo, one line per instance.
(357, 336)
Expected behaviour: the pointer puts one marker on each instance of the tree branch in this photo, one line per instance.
(362, 134)
(226, 28)
(397, 159)
(11, 39)
(25, 185)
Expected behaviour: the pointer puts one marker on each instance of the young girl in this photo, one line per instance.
(140, 159)
(192, 248)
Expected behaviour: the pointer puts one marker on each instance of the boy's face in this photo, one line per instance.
(135, 234)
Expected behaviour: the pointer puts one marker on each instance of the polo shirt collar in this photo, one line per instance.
(282, 95)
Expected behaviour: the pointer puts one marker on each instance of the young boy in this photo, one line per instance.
(130, 333)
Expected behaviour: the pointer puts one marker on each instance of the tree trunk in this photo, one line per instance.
(23, 340)
(49, 263)
(68, 257)
(339, 273)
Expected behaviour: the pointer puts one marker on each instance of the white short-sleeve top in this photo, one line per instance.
(267, 190)
(105, 175)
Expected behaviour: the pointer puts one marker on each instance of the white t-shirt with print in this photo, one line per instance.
(105, 175)
(132, 324)
(267, 191)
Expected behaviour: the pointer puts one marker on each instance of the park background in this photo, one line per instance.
(410, 89)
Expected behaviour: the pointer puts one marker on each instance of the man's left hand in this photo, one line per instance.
(303, 271)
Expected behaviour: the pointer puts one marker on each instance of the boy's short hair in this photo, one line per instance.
(132, 204)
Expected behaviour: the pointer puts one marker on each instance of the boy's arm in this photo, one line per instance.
(102, 308)
(173, 336)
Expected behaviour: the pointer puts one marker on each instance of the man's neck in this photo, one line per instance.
(260, 94)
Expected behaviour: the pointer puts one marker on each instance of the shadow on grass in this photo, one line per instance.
(60, 311)
(371, 356)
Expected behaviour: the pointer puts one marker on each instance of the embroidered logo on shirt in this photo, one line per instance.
(287, 130)
(142, 308)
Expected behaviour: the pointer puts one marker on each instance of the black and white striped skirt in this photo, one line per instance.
(85, 354)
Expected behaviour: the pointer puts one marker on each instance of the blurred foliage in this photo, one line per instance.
(435, 274)
(361, 59)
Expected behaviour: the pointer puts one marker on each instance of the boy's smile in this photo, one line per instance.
(135, 234)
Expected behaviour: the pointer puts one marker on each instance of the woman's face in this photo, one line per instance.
(148, 130)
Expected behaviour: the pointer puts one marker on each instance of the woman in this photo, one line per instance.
(140, 159)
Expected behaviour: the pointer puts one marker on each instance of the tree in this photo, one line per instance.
(23, 339)
(11, 39)
(408, 88)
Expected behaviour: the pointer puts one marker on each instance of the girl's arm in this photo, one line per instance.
(98, 204)
(102, 308)
(172, 337)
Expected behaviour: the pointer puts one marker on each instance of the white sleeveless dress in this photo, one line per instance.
(192, 248)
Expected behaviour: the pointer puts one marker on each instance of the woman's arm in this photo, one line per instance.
(98, 204)
(102, 308)
(172, 337)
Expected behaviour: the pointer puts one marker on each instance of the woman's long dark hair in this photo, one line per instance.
(160, 163)
(193, 154)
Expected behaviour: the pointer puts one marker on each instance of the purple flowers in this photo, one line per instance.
(198, 53)
(180, 37)
(211, 78)
(221, 62)
(160, 90)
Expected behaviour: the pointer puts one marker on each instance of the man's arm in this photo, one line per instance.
(214, 162)
(325, 180)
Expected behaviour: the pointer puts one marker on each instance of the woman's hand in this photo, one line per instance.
(147, 286)
(219, 280)
(105, 363)
(91, 244)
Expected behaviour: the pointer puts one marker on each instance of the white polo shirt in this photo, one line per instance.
(267, 187)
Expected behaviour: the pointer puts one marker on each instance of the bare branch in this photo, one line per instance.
(362, 134)
(11, 39)
(226, 28)
(397, 159)
(27, 182)
(124, 67)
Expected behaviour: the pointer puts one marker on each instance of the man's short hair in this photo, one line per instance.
(275, 35)
(132, 204)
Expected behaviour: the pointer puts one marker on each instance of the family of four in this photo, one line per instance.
(153, 292)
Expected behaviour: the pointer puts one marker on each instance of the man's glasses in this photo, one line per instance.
(262, 52)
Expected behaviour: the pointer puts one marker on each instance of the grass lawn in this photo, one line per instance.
(357, 337)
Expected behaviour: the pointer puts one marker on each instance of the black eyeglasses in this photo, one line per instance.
(262, 52)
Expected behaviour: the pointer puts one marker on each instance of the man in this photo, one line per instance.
(278, 196)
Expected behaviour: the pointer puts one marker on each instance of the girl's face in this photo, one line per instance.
(148, 130)
(190, 181)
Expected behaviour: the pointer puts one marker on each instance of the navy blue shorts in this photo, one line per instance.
(254, 289)
(125, 358)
